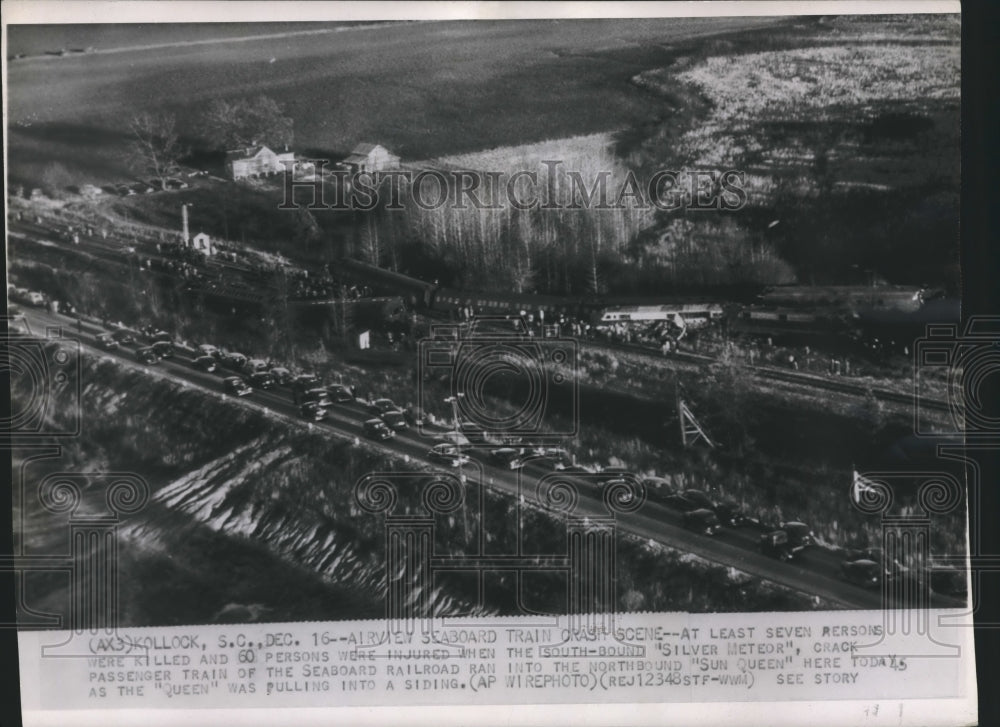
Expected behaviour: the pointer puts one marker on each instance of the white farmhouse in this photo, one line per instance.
(257, 161)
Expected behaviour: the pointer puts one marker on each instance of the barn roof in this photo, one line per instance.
(248, 153)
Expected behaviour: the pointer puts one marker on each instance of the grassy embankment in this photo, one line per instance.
(256, 520)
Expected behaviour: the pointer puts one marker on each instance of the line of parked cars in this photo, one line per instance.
(871, 567)
(149, 186)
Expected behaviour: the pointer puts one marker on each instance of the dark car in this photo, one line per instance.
(702, 521)
(236, 386)
(205, 363)
(730, 514)
(376, 429)
(261, 380)
(146, 355)
(282, 376)
(395, 420)
(891, 567)
(378, 407)
(862, 572)
(207, 349)
(304, 382)
(123, 336)
(339, 393)
(690, 500)
(163, 349)
(448, 454)
(657, 488)
(776, 545)
(313, 411)
(256, 365)
(507, 457)
(317, 396)
(233, 361)
(107, 342)
(799, 535)
(301, 384)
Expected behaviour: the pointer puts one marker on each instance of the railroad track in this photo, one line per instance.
(112, 252)
(792, 377)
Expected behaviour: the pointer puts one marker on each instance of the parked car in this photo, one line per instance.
(163, 349)
(891, 567)
(702, 521)
(776, 545)
(147, 355)
(304, 382)
(235, 386)
(448, 454)
(507, 457)
(395, 420)
(123, 190)
(301, 384)
(155, 335)
(261, 380)
(730, 514)
(376, 429)
(174, 183)
(313, 411)
(233, 361)
(318, 396)
(255, 365)
(339, 393)
(658, 489)
(207, 349)
(123, 336)
(862, 572)
(205, 363)
(142, 188)
(282, 376)
(107, 342)
(378, 407)
(799, 535)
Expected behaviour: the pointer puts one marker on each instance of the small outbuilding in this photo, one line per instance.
(203, 243)
(371, 158)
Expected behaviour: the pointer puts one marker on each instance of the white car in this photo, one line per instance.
(448, 454)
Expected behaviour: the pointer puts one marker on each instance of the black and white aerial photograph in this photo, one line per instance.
(335, 320)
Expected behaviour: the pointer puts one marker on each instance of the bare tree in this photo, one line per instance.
(156, 147)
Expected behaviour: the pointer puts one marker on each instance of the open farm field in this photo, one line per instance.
(421, 90)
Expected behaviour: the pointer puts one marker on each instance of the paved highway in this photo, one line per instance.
(814, 572)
